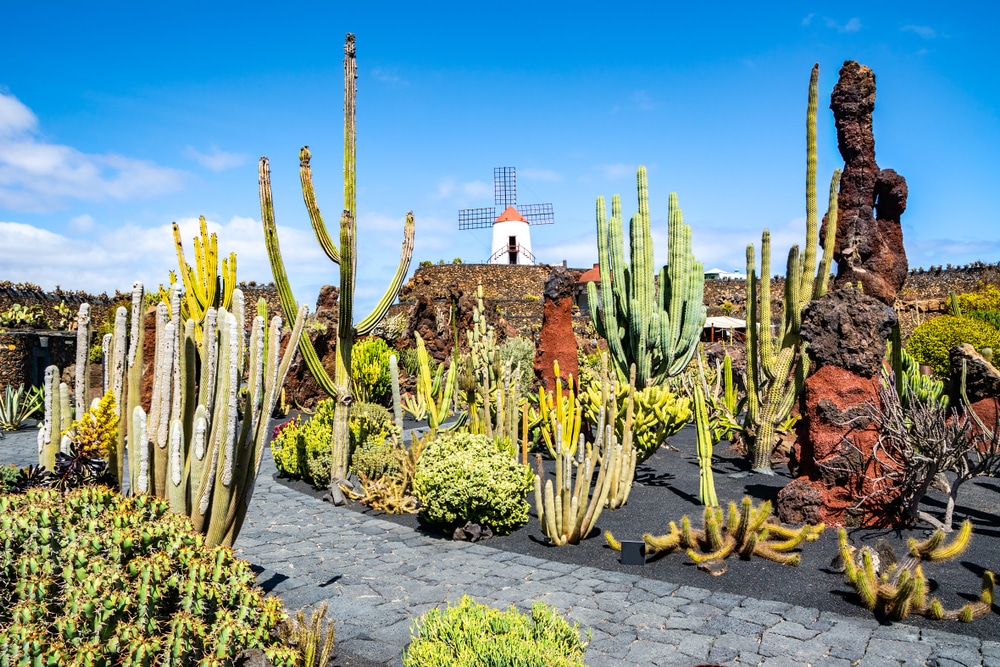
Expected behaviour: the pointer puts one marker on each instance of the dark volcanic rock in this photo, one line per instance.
(869, 246)
(848, 329)
(982, 379)
(557, 342)
(301, 387)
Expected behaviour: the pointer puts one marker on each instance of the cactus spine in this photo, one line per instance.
(339, 386)
(777, 368)
(654, 326)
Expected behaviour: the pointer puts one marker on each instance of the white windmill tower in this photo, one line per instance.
(511, 236)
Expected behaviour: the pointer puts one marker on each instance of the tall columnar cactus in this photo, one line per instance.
(195, 448)
(203, 287)
(339, 386)
(654, 325)
(81, 394)
(777, 365)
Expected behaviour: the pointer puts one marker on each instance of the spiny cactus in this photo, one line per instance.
(338, 387)
(777, 368)
(434, 393)
(654, 325)
(568, 510)
(706, 440)
(195, 448)
(560, 415)
(203, 288)
(896, 589)
(96, 578)
(658, 413)
(747, 531)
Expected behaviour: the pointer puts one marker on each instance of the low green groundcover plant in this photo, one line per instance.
(931, 342)
(462, 477)
(94, 578)
(474, 635)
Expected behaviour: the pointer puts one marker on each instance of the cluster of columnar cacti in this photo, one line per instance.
(338, 387)
(490, 387)
(195, 448)
(95, 578)
(560, 414)
(203, 288)
(434, 393)
(910, 383)
(777, 366)
(569, 508)
(654, 324)
(746, 531)
(897, 589)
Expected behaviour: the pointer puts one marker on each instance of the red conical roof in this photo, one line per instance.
(510, 214)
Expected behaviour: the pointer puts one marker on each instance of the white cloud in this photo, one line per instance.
(617, 172)
(15, 117)
(388, 76)
(924, 31)
(477, 193)
(38, 176)
(808, 19)
(215, 159)
(852, 25)
(547, 175)
(81, 223)
(643, 100)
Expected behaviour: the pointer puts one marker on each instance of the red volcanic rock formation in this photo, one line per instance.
(557, 342)
(869, 246)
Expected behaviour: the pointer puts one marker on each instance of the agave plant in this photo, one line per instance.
(18, 405)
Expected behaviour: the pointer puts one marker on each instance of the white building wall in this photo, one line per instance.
(502, 231)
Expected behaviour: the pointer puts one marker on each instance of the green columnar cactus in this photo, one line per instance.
(203, 288)
(706, 485)
(339, 386)
(57, 418)
(560, 416)
(777, 366)
(435, 392)
(397, 407)
(654, 326)
(896, 589)
(195, 448)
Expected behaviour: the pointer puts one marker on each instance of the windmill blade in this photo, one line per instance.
(504, 187)
(537, 214)
(476, 218)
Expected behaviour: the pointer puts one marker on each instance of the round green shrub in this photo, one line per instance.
(931, 342)
(463, 477)
(370, 376)
(94, 578)
(469, 634)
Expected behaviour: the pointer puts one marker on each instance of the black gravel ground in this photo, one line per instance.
(666, 488)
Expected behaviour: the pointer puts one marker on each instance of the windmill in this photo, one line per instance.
(510, 222)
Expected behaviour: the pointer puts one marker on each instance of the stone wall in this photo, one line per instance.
(24, 355)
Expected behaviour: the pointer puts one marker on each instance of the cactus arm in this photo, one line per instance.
(82, 385)
(829, 238)
(285, 296)
(345, 339)
(808, 266)
(315, 217)
(369, 323)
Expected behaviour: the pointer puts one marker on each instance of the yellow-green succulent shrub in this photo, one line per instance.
(370, 377)
(95, 578)
(463, 477)
(468, 634)
(658, 413)
(373, 431)
(987, 298)
(931, 342)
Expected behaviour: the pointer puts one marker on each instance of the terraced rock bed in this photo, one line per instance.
(666, 488)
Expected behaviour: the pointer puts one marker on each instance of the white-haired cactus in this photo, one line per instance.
(339, 386)
(195, 448)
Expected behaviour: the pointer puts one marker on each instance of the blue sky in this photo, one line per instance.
(118, 118)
